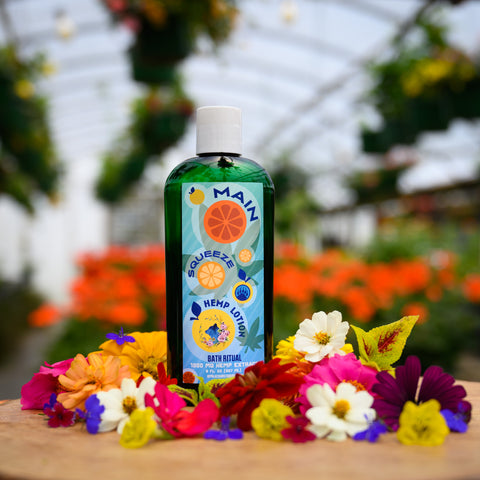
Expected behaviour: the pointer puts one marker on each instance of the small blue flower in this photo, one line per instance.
(224, 432)
(120, 338)
(455, 421)
(93, 414)
(51, 403)
(374, 430)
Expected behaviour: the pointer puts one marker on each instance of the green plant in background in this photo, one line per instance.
(28, 163)
(423, 86)
(166, 31)
(158, 121)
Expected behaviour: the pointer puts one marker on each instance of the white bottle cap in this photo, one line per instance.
(219, 130)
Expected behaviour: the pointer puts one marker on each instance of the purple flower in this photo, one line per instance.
(297, 432)
(120, 338)
(224, 432)
(393, 392)
(457, 421)
(93, 413)
(374, 430)
(58, 415)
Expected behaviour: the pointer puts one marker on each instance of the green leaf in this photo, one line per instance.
(189, 395)
(382, 346)
(251, 339)
(207, 390)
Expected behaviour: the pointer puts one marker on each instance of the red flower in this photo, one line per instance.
(175, 419)
(263, 380)
(297, 432)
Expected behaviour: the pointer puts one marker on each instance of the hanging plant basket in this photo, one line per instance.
(163, 129)
(159, 120)
(430, 113)
(158, 49)
(28, 163)
(466, 103)
(422, 88)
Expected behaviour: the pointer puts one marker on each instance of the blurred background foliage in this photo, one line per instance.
(420, 261)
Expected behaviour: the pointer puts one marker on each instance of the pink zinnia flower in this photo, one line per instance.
(170, 410)
(37, 391)
(335, 370)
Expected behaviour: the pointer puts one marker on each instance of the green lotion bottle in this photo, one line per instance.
(219, 210)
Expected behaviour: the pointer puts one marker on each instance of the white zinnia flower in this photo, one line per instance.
(322, 336)
(119, 403)
(341, 413)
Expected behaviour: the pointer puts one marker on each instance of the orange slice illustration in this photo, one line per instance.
(245, 255)
(225, 221)
(210, 275)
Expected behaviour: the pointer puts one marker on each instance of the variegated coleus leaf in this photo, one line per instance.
(382, 346)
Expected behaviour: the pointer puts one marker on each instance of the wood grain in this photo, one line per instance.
(31, 450)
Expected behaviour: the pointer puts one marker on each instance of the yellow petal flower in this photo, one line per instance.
(422, 424)
(269, 418)
(286, 351)
(139, 428)
(144, 355)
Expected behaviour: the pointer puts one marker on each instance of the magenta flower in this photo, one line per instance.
(394, 392)
(170, 410)
(335, 370)
(298, 432)
(37, 391)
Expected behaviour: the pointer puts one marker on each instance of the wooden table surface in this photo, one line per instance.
(31, 450)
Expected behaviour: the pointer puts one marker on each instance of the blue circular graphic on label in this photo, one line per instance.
(242, 292)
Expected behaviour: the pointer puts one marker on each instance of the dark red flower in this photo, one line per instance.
(58, 415)
(394, 392)
(298, 432)
(263, 380)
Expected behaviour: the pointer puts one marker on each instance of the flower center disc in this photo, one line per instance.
(322, 338)
(341, 408)
(129, 405)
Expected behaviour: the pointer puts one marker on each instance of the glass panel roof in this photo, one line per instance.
(295, 67)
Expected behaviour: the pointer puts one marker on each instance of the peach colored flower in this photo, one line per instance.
(90, 375)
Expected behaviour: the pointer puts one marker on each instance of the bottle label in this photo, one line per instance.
(223, 275)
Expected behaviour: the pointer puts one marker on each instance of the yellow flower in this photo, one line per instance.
(422, 424)
(24, 89)
(286, 351)
(90, 375)
(269, 418)
(139, 428)
(144, 354)
(347, 348)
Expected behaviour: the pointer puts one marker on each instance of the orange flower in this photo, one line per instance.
(44, 316)
(90, 375)
(416, 308)
(292, 283)
(144, 354)
(471, 287)
(359, 303)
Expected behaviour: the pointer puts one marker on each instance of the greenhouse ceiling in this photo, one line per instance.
(297, 68)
